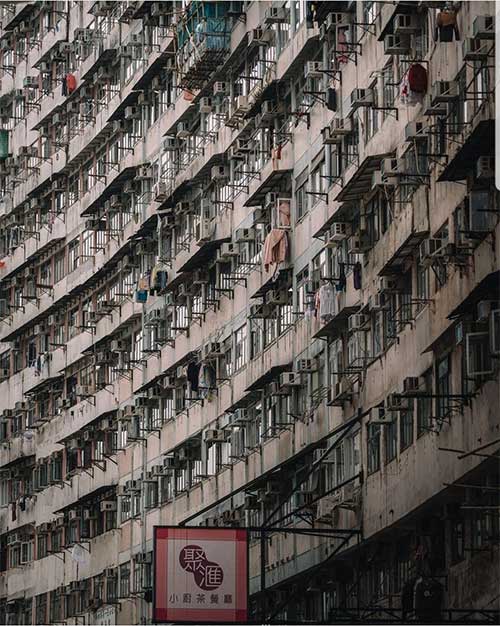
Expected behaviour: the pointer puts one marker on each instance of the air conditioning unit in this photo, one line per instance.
(397, 402)
(476, 49)
(117, 345)
(144, 172)
(240, 106)
(160, 191)
(415, 131)
(389, 168)
(74, 514)
(220, 88)
(290, 379)
(406, 23)
(216, 435)
(206, 105)
(260, 37)
(277, 15)
(220, 172)
(485, 167)
(388, 285)
(133, 485)
(228, 250)
(429, 248)
(306, 366)
(132, 113)
(483, 27)
(83, 391)
(337, 232)
(356, 322)
(278, 297)
(377, 302)
(397, 44)
(182, 130)
(357, 244)
(204, 231)
(444, 91)
(313, 69)
(107, 506)
(243, 235)
(212, 349)
(410, 385)
(362, 98)
(30, 82)
(379, 415)
(20, 407)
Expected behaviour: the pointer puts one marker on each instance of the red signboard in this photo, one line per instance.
(200, 575)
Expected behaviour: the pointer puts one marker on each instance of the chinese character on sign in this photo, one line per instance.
(200, 598)
(214, 599)
(228, 598)
(186, 598)
(207, 574)
(173, 598)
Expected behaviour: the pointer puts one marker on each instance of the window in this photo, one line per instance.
(73, 255)
(389, 88)
(300, 195)
(443, 386)
(457, 536)
(391, 441)
(406, 428)
(424, 405)
(422, 286)
(240, 347)
(124, 591)
(373, 434)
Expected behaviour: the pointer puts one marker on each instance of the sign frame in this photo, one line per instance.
(241, 535)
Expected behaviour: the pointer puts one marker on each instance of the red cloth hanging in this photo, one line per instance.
(417, 78)
(70, 83)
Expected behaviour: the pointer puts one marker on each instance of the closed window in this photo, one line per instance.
(373, 441)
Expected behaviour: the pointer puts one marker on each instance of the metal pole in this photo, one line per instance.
(262, 576)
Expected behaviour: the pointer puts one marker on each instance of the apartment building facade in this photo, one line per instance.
(249, 276)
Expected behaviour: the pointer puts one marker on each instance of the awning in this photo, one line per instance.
(361, 182)
(201, 257)
(269, 376)
(445, 338)
(271, 183)
(273, 282)
(88, 496)
(403, 253)
(18, 16)
(487, 289)
(481, 142)
(114, 187)
(333, 328)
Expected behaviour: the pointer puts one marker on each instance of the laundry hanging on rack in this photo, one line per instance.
(193, 375)
(340, 285)
(275, 249)
(357, 276)
(158, 280)
(325, 302)
(446, 26)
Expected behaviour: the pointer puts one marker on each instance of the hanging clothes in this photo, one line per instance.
(446, 26)
(340, 285)
(275, 248)
(193, 375)
(331, 99)
(342, 44)
(356, 276)
(158, 278)
(326, 302)
(70, 81)
(417, 78)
